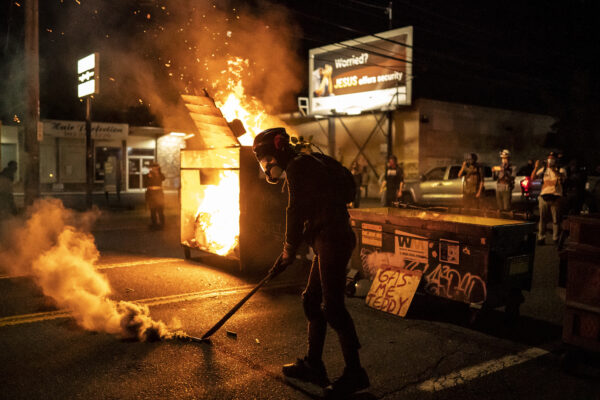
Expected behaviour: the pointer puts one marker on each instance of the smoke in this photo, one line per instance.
(185, 46)
(54, 247)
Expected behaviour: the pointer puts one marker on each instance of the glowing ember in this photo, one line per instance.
(218, 217)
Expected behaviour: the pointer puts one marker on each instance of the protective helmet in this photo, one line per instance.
(505, 153)
(271, 142)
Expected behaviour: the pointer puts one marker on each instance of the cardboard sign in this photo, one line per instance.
(393, 289)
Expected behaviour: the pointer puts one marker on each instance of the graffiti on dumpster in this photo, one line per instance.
(445, 281)
(393, 289)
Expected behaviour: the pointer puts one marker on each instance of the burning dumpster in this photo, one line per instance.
(227, 207)
(474, 260)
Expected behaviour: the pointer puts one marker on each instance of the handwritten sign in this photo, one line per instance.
(393, 289)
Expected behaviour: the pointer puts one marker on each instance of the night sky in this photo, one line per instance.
(533, 56)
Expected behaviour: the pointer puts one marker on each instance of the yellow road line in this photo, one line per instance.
(117, 265)
(150, 302)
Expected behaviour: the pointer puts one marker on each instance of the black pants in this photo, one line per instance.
(156, 201)
(391, 195)
(325, 287)
(157, 216)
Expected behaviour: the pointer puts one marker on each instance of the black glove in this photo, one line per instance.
(285, 259)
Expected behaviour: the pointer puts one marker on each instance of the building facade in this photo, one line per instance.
(122, 155)
(428, 134)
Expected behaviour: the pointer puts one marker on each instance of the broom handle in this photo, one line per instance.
(236, 307)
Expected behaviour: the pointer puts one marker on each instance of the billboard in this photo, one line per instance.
(369, 73)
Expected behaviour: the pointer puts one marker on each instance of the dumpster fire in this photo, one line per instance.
(223, 196)
(217, 227)
(211, 165)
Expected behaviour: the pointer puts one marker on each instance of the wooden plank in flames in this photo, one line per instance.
(212, 126)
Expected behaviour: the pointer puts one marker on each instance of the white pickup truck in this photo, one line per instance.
(441, 186)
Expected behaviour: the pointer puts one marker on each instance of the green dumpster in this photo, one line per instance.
(476, 260)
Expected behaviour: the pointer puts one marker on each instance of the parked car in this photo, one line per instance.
(441, 186)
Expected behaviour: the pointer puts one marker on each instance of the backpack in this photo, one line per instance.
(342, 179)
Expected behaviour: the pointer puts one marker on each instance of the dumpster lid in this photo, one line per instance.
(363, 213)
(209, 121)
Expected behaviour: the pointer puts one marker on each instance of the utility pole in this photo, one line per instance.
(88, 80)
(89, 153)
(390, 113)
(32, 93)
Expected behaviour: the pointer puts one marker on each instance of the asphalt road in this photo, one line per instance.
(433, 353)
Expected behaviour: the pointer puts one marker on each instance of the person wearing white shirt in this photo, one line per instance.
(550, 196)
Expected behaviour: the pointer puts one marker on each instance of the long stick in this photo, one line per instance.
(236, 307)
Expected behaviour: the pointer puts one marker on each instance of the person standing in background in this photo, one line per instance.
(550, 196)
(473, 184)
(394, 180)
(505, 174)
(357, 175)
(7, 200)
(155, 198)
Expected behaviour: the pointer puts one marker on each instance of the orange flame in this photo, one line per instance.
(217, 219)
(218, 213)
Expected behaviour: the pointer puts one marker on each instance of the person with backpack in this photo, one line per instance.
(549, 200)
(319, 189)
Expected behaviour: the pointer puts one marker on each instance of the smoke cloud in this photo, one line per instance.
(155, 51)
(54, 247)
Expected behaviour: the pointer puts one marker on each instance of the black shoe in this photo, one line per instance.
(351, 381)
(307, 372)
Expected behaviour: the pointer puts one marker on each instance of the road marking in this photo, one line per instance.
(150, 302)
(480, 370)
(116, 265)
(141, 262)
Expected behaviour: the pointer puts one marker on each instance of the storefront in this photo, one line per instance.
(122, 156)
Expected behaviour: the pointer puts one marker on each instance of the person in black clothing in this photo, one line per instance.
(394, 179)
(7, 201)
(357, 175)
(155, 198)
(316, 215)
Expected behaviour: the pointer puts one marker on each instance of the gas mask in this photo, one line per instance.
(274, 173)
(551, 162)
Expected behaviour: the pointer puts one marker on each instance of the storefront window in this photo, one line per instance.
(102, 154)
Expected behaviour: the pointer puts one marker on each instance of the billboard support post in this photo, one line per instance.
(331, 136)
(32, 73)
(390, 138)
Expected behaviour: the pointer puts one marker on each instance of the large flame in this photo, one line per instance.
(218, 216)
(235, 104)
(217, 219)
